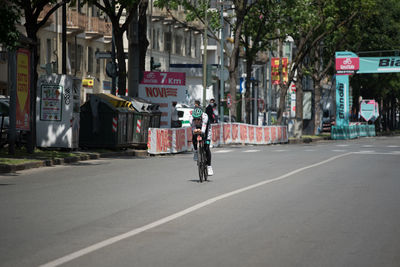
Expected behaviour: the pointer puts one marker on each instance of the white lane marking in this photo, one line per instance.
(223, 151)
(367, 146)
(339, 150)
(280, 150)
(397, 153)
(310, 150)
(366, 151)
(134, 232)
(393, 146)
(251, 150)
(342, 145)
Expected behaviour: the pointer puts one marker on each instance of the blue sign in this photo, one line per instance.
(342, 100)
(242, 87)
(379, 64)
(342, 54)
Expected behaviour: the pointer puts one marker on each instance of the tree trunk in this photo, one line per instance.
(31, 31)
(247, 97)
(119, 45)
(233, 65)
(317, 105)
(143, 33)
(282, 87)
(298, 124)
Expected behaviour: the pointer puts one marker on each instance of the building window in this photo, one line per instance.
(48, 51)
(178, 45)
(90, 60)
(196, 52)
(38, 51)
(79, 57)
(167, 42)
(71, 56)
(154, 41)
(79, 6)
(97, 63)
(157, 41)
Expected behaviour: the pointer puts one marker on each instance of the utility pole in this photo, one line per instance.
(222, 68)
(133, 56)
(64, 39)
(205, 40)
(269, 91)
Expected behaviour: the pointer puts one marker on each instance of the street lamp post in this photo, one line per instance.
(221, 74)
(205, 40)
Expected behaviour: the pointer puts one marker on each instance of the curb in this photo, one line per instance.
(10, 168)
(307, 140)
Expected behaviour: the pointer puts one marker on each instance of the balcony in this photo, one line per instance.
(94, 28)
(107, 31)
(76, 22)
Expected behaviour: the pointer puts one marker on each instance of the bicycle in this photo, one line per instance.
(201, 159)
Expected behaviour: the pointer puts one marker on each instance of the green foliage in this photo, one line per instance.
(377, 32)
(194, 11)
(10, 16)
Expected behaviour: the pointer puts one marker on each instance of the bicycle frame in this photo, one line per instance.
(201, 159)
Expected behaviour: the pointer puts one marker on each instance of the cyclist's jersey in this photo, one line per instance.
(205, 126)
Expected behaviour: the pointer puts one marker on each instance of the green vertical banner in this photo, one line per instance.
(342, 100)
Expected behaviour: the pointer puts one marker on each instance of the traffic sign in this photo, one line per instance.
(229, 100)
(106, 55)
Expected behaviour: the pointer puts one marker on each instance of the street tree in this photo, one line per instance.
(10, 17)
(30, 11)
(309, 23)
(196, 11)
(259, 29)
(126, 11)
(322, 56)
(378, 35)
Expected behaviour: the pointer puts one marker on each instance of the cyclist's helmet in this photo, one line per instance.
(197, 113)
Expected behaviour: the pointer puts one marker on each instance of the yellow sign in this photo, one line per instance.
(22, 79)
(23, 87)
(88, 82)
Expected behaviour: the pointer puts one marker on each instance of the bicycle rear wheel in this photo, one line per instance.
(205, 172)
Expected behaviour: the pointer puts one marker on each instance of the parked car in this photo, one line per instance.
(184, 113)
(4, 118)
(5, 123)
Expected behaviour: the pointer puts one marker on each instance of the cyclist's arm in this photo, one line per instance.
(192, 124)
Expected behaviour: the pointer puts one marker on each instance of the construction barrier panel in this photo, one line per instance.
(175, 140)
(354, 130)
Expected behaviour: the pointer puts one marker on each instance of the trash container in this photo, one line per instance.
(147, 115)
(106, 121)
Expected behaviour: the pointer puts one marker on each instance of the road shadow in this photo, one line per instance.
(83, 163)
(198, 181)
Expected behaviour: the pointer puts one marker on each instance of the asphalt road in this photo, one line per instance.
(332, 203)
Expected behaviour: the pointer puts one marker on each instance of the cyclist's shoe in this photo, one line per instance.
(210, 171)
(195, 155)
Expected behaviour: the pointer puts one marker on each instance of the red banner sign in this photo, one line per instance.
(347, 65)
(275, 70)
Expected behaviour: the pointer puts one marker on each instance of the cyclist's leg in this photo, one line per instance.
(194, 141)
(208, 152)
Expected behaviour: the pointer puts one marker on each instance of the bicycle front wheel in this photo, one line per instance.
(200, 163)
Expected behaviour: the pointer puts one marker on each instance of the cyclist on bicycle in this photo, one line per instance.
(200, 125)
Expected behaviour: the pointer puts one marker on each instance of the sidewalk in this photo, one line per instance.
(80, 156)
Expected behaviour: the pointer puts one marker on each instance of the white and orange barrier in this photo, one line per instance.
(165, 141)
